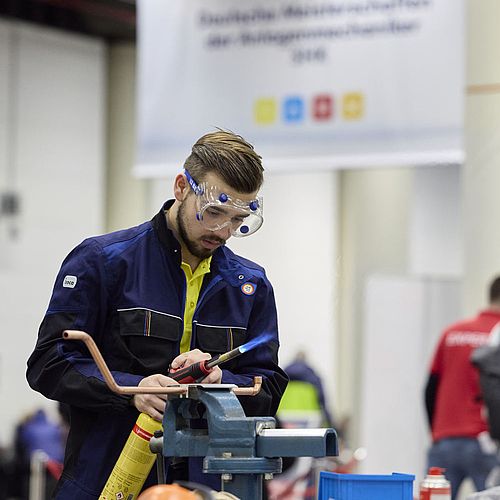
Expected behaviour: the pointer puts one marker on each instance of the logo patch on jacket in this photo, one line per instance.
(69, 281)
(248, 288)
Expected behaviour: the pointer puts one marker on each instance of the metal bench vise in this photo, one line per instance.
(243, 450)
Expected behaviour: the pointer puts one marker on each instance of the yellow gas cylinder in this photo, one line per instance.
(134, 463)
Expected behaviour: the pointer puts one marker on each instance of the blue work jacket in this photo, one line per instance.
(127, 290)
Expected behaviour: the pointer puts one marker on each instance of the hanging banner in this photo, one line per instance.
(312, 83)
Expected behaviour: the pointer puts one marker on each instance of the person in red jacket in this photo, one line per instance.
(455, 410)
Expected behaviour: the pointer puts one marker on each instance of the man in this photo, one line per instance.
(454, 405)
(167, 292)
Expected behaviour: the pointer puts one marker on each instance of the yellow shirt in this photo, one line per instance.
(193, 282)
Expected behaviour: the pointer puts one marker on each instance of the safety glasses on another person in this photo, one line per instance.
(216, 209)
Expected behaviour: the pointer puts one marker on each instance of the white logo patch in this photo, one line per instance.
(70, 281)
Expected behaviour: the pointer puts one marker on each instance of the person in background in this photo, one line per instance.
(36, 432)
(455, 410)
(167, 292)
(303, 376)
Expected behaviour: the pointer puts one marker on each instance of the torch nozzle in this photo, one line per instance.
(222, 358)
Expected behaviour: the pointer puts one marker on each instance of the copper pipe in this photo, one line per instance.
(120, 389)
(249, 391)
(108, 377)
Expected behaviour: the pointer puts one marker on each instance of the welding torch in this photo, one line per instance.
(197, 371)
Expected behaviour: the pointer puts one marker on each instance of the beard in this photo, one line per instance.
(193, 247)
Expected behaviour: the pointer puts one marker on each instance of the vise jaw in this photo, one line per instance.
(241, 449)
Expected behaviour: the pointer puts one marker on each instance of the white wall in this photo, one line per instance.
(6, 170)
(403, 222)
(4, 99)
(404, 318)
(126, 196)
(435, 226)
(54, 124)
(481, 186)
(374, 212)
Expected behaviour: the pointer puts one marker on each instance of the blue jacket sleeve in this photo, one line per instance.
(261, 361)
(63, 370)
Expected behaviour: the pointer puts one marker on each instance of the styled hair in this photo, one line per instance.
(494, 293)
(229, 156)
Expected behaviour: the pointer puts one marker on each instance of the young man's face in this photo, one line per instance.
(200, 241)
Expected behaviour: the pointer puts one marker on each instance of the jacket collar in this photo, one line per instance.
(224, 261)
(165, 235)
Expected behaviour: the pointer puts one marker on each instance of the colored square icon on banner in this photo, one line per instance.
(322, 107)
(353, 106)
(293, 109)
(265, 111)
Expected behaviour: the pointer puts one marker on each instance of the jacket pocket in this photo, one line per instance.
(151, 338)
(219, 339)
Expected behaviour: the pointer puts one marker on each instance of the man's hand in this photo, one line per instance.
(153, 404)
(195, 356)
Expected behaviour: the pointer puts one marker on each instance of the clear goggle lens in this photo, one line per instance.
(216, 210)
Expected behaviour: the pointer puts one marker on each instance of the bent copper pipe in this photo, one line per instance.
(108, 377)
(249, 391)
(120, 389)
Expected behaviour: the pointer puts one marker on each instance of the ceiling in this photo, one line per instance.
(113, 20)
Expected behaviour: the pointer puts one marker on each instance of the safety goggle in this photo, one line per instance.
(216, 209)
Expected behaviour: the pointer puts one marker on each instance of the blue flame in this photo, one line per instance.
(261, 339)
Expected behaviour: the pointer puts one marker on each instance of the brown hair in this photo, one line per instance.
(494, 291)
(229, 156)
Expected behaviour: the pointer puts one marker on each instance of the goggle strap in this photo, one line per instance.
(195, 187)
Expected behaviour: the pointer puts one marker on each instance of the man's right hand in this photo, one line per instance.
(153, 404)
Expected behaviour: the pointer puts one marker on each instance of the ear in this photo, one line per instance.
(181, 187)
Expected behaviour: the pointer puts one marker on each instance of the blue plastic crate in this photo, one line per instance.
(333, 486)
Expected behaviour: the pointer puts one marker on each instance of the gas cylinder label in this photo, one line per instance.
(142, 433)
(134, 463)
